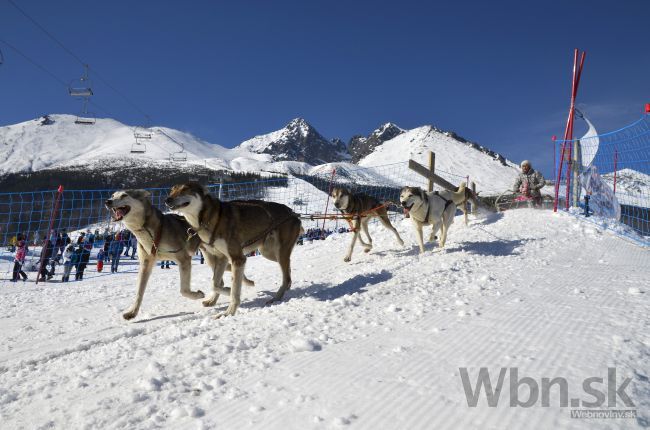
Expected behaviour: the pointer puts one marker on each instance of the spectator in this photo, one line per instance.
(69, 259)
(19, 259)
(108, 238)
(134, 245)
(58, 247)
(126, 242)
(164, 264)
(529, 182)
(114, 251)
(46, 253)
(100, 260)
(84, 258)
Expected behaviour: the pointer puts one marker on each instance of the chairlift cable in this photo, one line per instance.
(79, 60)
(19, 52)
(48, 72)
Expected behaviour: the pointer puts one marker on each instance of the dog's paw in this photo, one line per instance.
(209, 303)
(347, 259)
(401, 242)
(198, 294)
(230, 311)
(248, 282)
(129, 315)
(367, 249)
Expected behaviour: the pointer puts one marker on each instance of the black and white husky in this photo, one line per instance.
(436, 209)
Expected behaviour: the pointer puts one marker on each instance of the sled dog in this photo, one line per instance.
(362, 208)
(436, 209)
(160, 237)
(230, 230)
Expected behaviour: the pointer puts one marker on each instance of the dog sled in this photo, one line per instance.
(509, 200)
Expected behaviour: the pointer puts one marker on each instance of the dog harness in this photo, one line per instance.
(447, 203)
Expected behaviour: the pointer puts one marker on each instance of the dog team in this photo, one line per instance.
(226, 231)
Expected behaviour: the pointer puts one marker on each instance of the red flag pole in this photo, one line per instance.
(55, 209)
(568, 132)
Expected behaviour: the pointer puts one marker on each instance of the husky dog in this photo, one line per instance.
(160, 237)
(436, 209)
(230, 230)
(362, 207)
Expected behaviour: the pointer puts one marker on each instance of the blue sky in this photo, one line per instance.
(497, 73)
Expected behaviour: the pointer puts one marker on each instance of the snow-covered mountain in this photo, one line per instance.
(455, 158)
(297, 141)
(360, 146)
(30, 146)
(297, 149)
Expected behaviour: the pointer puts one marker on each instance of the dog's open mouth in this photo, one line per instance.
(119, 213)
(407, 209)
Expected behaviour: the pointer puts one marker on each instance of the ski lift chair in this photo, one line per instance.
(138, 148)
(81, 87)
(178, 156)
(140, 134)
(86, 118)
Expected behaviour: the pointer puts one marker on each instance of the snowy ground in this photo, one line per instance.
(375, 343)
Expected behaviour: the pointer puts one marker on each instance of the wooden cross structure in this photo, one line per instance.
(431, 176)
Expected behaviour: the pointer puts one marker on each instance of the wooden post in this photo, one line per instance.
(432, 168)
(430, 175)
(433, 178)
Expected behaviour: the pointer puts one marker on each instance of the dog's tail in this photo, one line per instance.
(459, 196)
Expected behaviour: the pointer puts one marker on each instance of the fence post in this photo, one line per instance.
(55, 209)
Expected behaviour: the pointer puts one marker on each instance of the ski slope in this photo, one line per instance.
(372, 344)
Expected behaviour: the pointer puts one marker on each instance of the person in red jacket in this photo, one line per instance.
(19, 259)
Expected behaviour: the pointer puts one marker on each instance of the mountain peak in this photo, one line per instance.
(301, 126)
(360, 146)
(297, 141)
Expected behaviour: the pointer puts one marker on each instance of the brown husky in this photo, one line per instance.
(230, 230)
(362, 208)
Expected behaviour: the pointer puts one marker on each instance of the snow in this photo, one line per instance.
(374, 343)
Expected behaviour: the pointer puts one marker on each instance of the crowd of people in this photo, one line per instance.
(60, 249)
